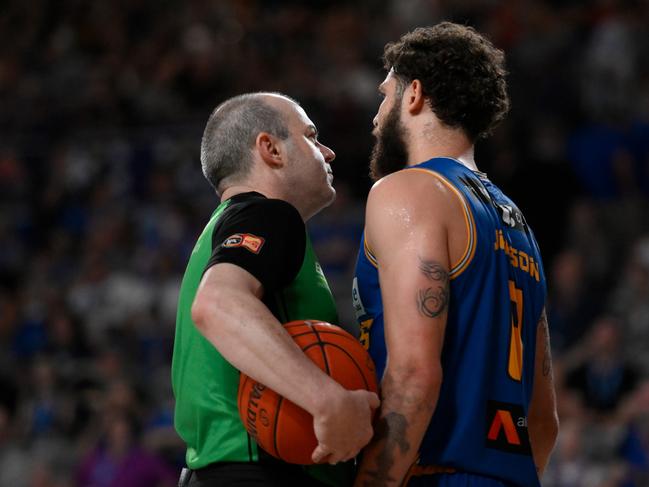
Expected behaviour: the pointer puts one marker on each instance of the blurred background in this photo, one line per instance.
(102, 106)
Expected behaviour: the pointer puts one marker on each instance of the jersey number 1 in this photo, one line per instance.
(515, 367)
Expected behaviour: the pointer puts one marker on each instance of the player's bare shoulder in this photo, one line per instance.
(412, 193)
(408, 205)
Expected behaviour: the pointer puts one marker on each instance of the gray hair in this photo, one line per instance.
(230, 134)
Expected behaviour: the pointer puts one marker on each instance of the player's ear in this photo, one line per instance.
(270, 149)
(414, 97)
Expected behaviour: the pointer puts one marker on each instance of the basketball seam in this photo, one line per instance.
(324, 355)
(240, 395)
(278, 410)
(319, 336)
(353, 360)
(342, 334)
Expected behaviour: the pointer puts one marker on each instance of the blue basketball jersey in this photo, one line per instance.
(497, 294)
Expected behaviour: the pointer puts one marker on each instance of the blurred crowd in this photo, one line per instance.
(102, 106)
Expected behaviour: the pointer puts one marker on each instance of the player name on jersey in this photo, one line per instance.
(517, 258)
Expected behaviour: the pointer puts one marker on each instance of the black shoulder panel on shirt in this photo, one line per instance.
(266, 237)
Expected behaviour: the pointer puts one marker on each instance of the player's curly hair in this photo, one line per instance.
(462, 75)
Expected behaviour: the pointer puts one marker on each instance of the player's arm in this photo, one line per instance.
(406, 231)
(543, 420)
(228, 310)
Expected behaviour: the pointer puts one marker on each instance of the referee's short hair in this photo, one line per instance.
(230, 134)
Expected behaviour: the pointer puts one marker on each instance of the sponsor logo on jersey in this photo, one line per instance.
(365, 322)
(364, 332)
(248, 241)
(512, 216)
(509, 214)
(359, 309)
(507, 428)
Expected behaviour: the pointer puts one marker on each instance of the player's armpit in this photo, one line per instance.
(543, 420)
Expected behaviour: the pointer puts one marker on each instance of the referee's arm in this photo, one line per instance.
(229, 312)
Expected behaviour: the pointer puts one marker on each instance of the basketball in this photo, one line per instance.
(282, 428)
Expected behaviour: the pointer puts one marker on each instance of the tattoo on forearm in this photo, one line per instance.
(433, 301)
(547, 354)
(391, 429)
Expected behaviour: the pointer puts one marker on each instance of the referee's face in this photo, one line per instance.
(309, 163)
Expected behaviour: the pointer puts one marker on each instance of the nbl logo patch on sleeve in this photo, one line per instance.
(248, 241)
(507, 428)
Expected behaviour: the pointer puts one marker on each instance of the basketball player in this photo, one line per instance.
(449, 286)
(253, 268)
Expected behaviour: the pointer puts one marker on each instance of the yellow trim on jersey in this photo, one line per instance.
(469, 251)
(369, 254)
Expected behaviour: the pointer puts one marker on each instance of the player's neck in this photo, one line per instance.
(464, 156)
(442, 143)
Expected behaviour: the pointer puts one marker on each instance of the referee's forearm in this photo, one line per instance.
(250, 338)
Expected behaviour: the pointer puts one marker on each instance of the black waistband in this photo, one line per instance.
(273, 473)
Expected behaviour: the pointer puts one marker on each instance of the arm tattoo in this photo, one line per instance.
(391, 429)
(433, 300)
(547, 355)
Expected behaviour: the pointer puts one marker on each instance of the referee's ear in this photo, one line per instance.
(270, 150)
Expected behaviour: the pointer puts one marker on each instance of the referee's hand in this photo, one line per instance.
(344, 425)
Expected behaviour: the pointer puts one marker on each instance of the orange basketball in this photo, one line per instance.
(282, 428)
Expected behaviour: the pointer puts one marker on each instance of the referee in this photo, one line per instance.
(252, 269)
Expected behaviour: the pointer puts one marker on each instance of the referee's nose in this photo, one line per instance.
(328, 154)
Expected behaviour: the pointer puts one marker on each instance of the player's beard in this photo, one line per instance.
(390, 153)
